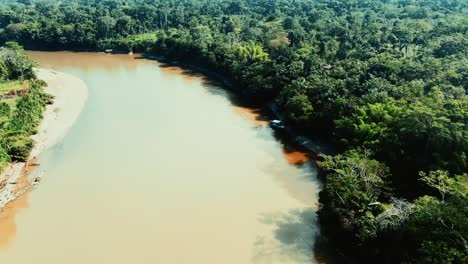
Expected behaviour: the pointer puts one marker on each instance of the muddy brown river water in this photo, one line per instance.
(162, 166)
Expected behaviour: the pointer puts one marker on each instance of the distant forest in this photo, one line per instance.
(384, 80)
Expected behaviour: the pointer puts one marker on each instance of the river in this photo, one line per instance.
(162, 166)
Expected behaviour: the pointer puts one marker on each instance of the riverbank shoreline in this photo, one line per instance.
(70, 94)
(313, 145)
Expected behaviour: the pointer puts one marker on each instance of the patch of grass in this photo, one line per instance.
(11, 102)
(7, 86)
(23, 121)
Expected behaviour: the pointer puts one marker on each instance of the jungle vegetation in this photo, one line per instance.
(385, 80)
(22, 103)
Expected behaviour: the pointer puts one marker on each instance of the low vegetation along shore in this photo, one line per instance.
(38, 106)
(385, 80)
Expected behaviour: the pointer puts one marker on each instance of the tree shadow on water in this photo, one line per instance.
(293, 237)
(187, 71)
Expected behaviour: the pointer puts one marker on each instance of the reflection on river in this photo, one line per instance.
(162, 167)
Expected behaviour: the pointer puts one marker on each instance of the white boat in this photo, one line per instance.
(277, 124)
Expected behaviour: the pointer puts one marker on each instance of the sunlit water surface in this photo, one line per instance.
(161, 167)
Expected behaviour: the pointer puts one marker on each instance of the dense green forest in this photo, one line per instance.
(385, 80)
(22, 102)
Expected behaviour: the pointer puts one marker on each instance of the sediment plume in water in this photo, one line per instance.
(161, 168)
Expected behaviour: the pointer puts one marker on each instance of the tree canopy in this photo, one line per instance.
(22, 102)
(385, 80)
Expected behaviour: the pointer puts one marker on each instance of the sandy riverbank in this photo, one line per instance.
(70, 96)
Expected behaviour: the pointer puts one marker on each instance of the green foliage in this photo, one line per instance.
(440, 252)
(17, 126)
(384, 75)
(18, 123)
(367, 227)
(14, 63)
(252, 53)
(13, 45)
(299, 109)
(439, 180)
(451, 45)
(354, 178)
(29, 109)
(372, 125)
(5, 113)
(18, 146)
(133, 43)
(5, 159)
(439, 228)
(354, 185)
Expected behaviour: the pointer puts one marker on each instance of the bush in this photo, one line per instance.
(23, 122)
(29, 110)
(18, 146)
(4, 158)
